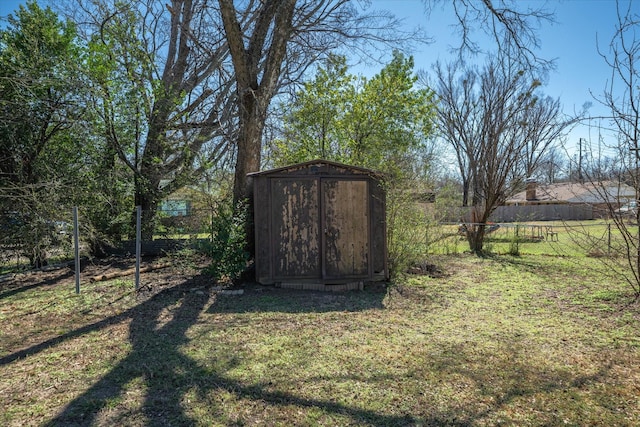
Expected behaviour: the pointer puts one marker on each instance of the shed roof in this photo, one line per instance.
(574, 192)
(318, 163)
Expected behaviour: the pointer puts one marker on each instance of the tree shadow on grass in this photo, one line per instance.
(157, 331)
(155, 358)
(164, 375)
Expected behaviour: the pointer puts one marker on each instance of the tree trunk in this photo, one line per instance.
(465, 192)
(475, 237)
(257, 69)
(476, 230)
(247, 161)
(249, 147)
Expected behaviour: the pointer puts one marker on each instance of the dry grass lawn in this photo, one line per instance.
(532, 340)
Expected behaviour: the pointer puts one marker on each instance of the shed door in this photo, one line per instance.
(345, 212)
(295, 224)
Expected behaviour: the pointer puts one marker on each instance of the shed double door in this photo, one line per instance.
(322, 229)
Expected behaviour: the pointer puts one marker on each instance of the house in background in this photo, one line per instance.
(565, 201)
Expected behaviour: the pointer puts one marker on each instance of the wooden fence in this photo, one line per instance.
(542, 213)
(528, 213)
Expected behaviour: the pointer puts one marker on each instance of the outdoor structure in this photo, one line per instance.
(564, 201)
(319, 225)
(183, 202)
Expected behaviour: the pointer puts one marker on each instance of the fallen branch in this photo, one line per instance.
(128, 272)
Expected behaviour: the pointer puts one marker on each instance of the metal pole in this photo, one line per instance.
(138, 243)
(76, 244)
(580, 161)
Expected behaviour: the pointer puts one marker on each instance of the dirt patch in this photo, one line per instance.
(151, 281)
(426, 269)
(186, 277)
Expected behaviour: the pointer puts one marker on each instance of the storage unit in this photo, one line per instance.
(320, 223)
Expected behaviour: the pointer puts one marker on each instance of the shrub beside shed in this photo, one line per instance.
(319, 225)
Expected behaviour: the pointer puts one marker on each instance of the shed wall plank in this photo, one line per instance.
(295, 228)
(261, 209)
(346, 214)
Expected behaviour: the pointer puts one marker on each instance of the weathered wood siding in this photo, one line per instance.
(319, 222)
(295, 227)
(261, 217)
(346, 228)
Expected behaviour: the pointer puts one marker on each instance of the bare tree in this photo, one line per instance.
(286, 37)
(162, 91)
(543, 126)
(494, 121)
(511, 24)
(552, 166)
(621, 96)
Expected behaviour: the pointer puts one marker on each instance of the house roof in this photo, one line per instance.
(318, 163)
(573, 192)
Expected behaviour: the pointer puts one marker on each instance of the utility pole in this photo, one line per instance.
(636, 149)
(580, 160)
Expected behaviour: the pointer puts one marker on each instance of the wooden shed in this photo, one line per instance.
(319, 224)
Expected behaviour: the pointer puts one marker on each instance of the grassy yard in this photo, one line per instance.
(555, 238)
(530, 340)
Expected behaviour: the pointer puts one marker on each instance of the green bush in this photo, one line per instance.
(406, 232)
(226, 248)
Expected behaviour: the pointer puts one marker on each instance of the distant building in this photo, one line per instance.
(574, 193)
(566, 201)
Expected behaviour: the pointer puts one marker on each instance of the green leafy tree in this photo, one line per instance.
(313, 127)
(118, 101)
(160, 96)
(384, 123)
(36, 51)
(39, 156)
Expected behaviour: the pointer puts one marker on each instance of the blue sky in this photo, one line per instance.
(571, 41)
(8, 6)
